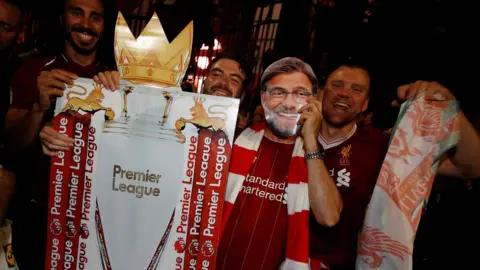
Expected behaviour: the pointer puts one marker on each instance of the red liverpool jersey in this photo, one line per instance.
(256, 232)
(354, 163)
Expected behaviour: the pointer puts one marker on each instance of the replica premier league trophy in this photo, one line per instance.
(143, 186)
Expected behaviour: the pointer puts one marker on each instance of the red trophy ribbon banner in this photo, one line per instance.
(66, 193)
(207, 196)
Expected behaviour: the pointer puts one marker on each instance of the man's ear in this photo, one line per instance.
(262, 97)
(365, 105)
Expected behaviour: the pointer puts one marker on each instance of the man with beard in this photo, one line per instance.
(354, 156)
(227, 76)
(35, 87)
(10, 31)
(266, 227)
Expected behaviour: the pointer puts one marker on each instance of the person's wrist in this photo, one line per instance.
(311, 143)
(37, 108)
(316, 154)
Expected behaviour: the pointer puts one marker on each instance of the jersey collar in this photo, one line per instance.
(327, 145)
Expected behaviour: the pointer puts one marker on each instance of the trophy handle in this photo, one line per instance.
(127, 90)
(169, 98)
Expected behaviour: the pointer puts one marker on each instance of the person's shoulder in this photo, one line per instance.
(371, 133)
(40, 61)
(372, 136)
(24, 82)
(33, 66)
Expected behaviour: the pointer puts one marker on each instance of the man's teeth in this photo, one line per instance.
(288, 115)
(342, 105)
(85, 36)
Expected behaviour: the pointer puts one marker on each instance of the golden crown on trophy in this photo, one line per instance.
(151, 59)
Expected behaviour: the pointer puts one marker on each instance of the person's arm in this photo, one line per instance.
(325, 199)
(23, 124)
(465, 163)
(7, 188)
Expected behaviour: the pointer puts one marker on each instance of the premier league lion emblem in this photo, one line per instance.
(90, 104)
(207, 249)
(193, 248)
(55, 227)
(84, 233)
(70, 232)
(180, 245)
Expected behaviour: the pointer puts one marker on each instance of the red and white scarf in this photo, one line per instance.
(243, 155)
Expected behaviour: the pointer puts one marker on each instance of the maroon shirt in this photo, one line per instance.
(24, 84)
(30, 217)
(256, 232)
(24, 94)
(354, 164)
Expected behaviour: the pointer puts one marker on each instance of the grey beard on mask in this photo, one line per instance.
(286, 132)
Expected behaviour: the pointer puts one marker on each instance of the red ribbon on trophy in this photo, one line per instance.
(66, 193)
(198, 197)
(208, 189)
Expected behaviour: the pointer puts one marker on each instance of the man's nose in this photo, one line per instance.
(225, 82)
(290, 102)
(345, 92)
(86, 21)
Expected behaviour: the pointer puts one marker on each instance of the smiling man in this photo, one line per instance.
(39, 81)
(227, 76)
(35, 87)
(354, 156)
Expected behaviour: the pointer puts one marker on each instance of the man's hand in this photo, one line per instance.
(7, 189)
(51, 85)
(311, 118)
(409, 91)
(53, 141)
(109, 79)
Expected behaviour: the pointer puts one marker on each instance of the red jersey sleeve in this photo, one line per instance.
(24, 84)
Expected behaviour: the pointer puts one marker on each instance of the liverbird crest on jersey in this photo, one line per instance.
(151, 59)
